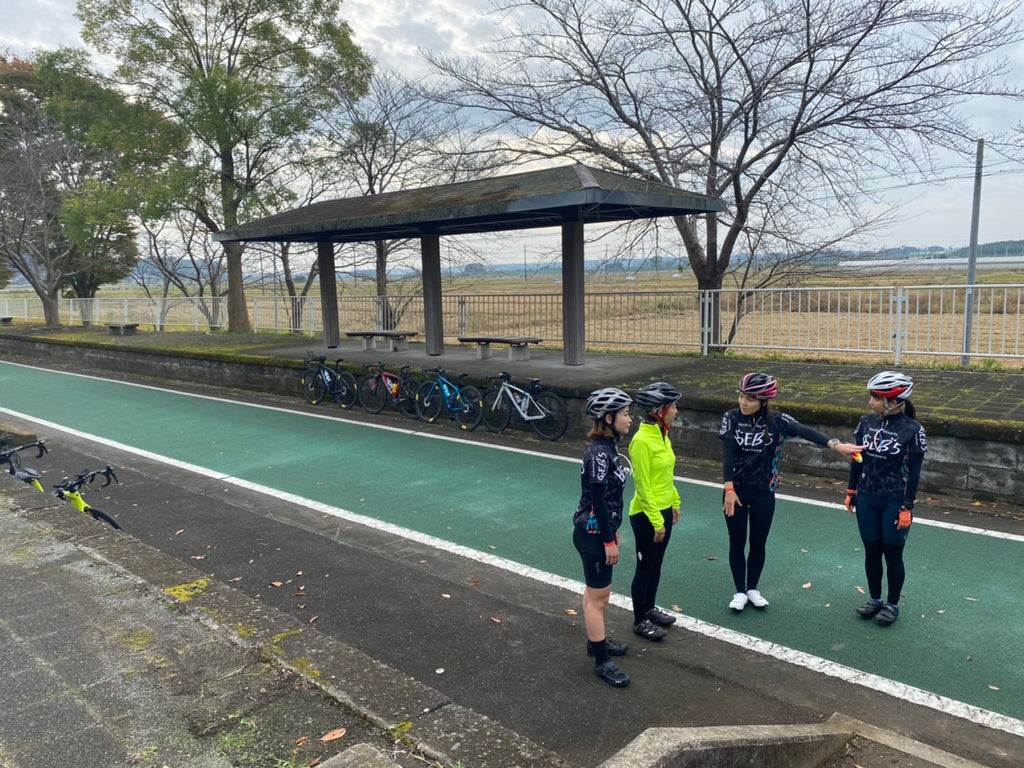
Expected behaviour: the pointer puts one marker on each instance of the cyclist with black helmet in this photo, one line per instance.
(752, 439)
(883, 486)
(654, 509)
(596, 524)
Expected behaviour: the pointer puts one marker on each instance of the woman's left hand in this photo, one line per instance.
(675, 517)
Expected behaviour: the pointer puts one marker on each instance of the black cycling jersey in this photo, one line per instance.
(751, 453)
(892, 459)
(602, 480)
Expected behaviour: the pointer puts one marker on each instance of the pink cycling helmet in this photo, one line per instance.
(759, 385)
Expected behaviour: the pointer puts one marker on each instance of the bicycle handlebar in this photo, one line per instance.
(7, 454)
(88, 476)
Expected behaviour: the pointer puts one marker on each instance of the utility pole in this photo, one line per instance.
(972, 257)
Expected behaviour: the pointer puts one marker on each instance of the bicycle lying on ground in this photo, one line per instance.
(463, 401)
(69, 490)
(544, 410)
(381, 386)
(321, 381)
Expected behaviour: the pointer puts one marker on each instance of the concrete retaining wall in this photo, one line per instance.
(957, 465)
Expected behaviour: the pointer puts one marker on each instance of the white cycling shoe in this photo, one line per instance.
(739, 600)
(756, 599)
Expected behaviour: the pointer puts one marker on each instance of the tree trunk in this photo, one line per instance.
(238, 309)
(51, 310)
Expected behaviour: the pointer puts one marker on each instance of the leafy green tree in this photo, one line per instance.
(68, 182)
(245, 80)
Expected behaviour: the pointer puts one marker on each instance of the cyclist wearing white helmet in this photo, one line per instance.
(654, 509)
(596, 524)
(752, 439)
(882, 488)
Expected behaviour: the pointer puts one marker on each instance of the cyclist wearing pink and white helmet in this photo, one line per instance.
(752, 439)
(883, 486)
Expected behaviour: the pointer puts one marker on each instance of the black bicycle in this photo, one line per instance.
(321, 381)
(462, 401)
(381, 386)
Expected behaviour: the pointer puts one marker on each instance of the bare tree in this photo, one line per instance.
(789, 110)
(399, 136)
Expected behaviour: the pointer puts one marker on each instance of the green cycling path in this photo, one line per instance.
(958, 636)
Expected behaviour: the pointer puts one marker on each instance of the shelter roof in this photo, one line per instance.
(527, 200)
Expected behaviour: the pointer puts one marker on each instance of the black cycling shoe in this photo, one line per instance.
(887, 615)
(660, 618)
(611, 674)
(615, 648)
(646, 629)
(870, 609)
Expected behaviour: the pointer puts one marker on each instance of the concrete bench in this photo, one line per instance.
(122, 329)
(518, 346)
(398, 341)
(6, 320)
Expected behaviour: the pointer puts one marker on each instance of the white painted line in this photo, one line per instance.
(893, 688)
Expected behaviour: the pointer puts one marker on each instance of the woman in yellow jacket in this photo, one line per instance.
(654, 509)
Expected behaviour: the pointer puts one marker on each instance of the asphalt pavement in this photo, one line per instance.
(117, 653)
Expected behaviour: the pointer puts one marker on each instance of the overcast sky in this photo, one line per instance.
(393, 31)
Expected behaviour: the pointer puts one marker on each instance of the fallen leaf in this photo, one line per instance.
(313, 763)
(496, 621)
(198, 557)
(337, 733)
(232, 581)
(446, 596)
(299, 594)
(861, 590)
(972, 599)
(475, 583)
(803, 550)
(179, 532)
(314, 618)
(491, 546)
(977, 504)
(942, 611)
(301, 740)
(676, 608)
(275, 583)
(828, 605)
(571, 612)
(299, 573)
(993, 688)
(807, 585)
(712, 558)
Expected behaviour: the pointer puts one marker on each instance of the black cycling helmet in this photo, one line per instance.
(607, 400)
(653, 396)
(759, 385)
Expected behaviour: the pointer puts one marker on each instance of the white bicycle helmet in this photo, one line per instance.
(607, 400)
(891, 385)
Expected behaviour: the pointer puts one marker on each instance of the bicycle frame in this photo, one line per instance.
(521, 400)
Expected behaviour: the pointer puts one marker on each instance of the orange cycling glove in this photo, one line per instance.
(851, 500)
(905, 519)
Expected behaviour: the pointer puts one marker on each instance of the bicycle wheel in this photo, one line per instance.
(99, 514)
(469, 408)
(373, 393)
(346, 390)
(406, 398)
(429, 401)
(497, 412)
(313, 386)
(556, 415)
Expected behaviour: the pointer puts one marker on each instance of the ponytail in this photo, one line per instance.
(909, 409)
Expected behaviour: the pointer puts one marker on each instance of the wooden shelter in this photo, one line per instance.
(568, 197)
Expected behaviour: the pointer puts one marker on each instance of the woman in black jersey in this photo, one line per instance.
(596, 524)
(752, 438)
(883, 485)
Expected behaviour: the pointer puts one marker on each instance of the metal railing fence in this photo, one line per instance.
(895, 321)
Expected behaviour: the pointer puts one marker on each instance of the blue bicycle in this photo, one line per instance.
(463, 401)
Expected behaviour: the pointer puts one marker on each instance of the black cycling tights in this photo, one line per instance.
(756, 508)
(874, 553)
(649, 557)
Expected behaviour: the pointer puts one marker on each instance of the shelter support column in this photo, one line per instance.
(433, 324)
(573, 315)
(328, 292)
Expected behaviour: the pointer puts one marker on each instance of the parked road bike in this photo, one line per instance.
(544, 410)
(462, 401)
(321, 381)
(382, 386)
(70, 490)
